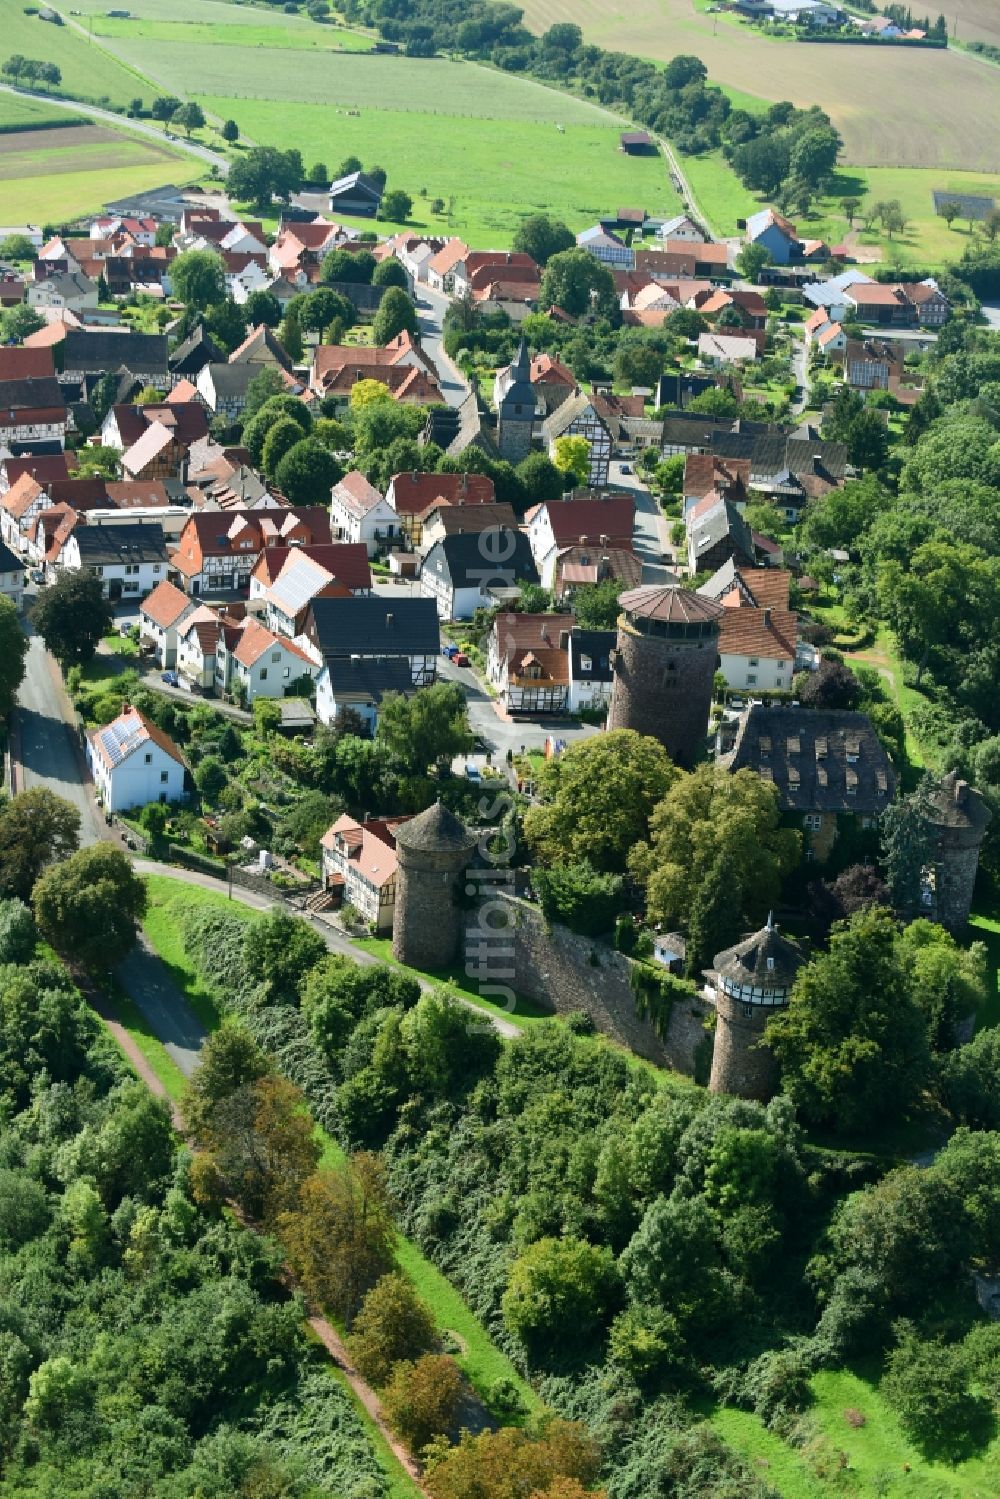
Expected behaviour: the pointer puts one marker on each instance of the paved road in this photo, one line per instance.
(800, 369)
(432, 308)
(121, 122)
(49, 755)
(651, 536)
(147, 979)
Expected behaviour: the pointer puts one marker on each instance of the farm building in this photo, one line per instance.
(355, 194)
(637, 143)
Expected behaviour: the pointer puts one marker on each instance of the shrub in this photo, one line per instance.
(576, 895)
(927, 1384)
(17, 932)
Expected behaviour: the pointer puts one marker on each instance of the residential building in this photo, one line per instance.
(716, 531)
(706, 474)
(261, 349)
(359, 867)
(199, 638)
(255, 662)
(217, 552)
(11, 576)
(590, 670)
(775, 234)
(826, 765)
(32, 410)
(301, 576)
(606, 247)
(356, 686)
(69, 290)
(414, 495)
(682, 227)
(441, 266)
(578, 519)
(726, 348)
(466, 572)
(578, 417)
(370, 630)
(527, 661)
(129, 559)
(155, 455)
(360, 513)
(579, 567)
(873, 363)
(160, 616)
(223, 388)
(757, 630)
(479, 268)
(190, 357)
(446, 519)
(133, 762)
(95, 351)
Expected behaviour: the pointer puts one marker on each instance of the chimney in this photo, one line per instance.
(961, 793)
(604, 541)
(415, 475)
(817, 463)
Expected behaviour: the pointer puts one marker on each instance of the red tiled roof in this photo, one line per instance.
(26, 364)
(165, 604)
(758, 632)
(613, 517)
(417, 493)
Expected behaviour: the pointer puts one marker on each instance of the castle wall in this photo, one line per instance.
(564, 972)
(664, 688)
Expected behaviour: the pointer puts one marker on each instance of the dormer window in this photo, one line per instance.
(821, 748)
(794, 744)
(765, 745)
(770, 965)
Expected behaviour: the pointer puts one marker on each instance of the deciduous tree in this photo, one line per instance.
(340, 1239)
(72, 617)
(393, 1324)
(37, 828)
(89, 907)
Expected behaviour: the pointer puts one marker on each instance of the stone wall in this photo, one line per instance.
(563, 971)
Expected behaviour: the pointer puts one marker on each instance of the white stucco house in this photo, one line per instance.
(133, 762)
(359, 512)
(11, 576)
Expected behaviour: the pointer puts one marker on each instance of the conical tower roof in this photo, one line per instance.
(764, 960)
(435, 831)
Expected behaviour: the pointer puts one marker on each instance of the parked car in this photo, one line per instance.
(37, 575)
(626, 468)
(451, 651)
(170, 678)
(461, 659)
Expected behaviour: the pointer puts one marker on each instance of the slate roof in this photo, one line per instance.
(142, 353)
(829, 761)
(8, 562)
(31, 394)
(464, 558)
(111, 545)
(957, 805)
(764, 960)
(597, 646)
(369, 679)
(716, 524)
(197, 350)
(376, 627)
(435, 831)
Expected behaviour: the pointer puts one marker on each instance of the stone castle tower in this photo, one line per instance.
(664, 664)
(516, 409)
(432, 851)
(752, 982)
(959, 819)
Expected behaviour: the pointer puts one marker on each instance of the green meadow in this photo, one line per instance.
(213, 33)
(88, 71)
(53, 186)
(30, 114)
(486, 174)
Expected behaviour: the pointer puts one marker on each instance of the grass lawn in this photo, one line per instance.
(399, 1484)
(88, 71)
(985, 925)
(482, 1361)
(832, 1457)
(168, 898)
(885, 657)
(526, 1012)
(215, 33)
(153, 1050)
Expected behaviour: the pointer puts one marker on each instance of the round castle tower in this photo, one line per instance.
(432, 851)
(959, 821)
(664, 666)
(752, 982)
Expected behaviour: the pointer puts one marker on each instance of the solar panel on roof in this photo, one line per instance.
(297, 584)
(122, 737)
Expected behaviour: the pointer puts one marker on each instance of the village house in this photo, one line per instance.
(86, 351)
(254, 662)
(578, 416)
(919, 304)
(71, 290)
(160, 616)
(198, 641)
(681, 226)
(356, 195)
(32, 410)
(217, 552)
(585, 566)
(757, 631)
(191, 356)
(790, 471)
(223, 388)
(299, 245)
(873, 363)
(125, 425)
(129, 559)
(11, 576)
(133, 763)
(528, 661)
(445, 519)
(400, 365)
(480, 267)
(706, 474)
(286, 580)
(441, 266)
(578, 519)
(727, 348)
(360, 513)
(370, 646)
(716, 531)
(359, 867)
(465, 572)
(606, 247)
(827, 765)
(413, 495)
(590, 671)
(42, 467)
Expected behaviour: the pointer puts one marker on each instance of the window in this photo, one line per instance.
(263, 674)
(275, 655)
(149, 759)
(164, 777)
(753, 661)
(812, 822)
(156, 567)
(751, 679)
(287, 672)
(747, 1011)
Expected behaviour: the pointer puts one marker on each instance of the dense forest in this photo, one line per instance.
(149, 1345)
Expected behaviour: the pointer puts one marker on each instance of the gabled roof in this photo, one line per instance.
(715, 524)
(819, 760)
(142, 353)
(460, 558)
(165, 605)
(26, 364)
(197, 350)
(31, 394)
(21, 496)
(417, 493)
(256, 639)
(376, 627)
(111, 545)
(356, 494)
(150, 445)
(43, 467)
(570, 410)
(126, 734)
(355, 182)
(448, 257)
(521, 632)
(367, 679)
(470, 519)
(370, 846)
(256, 342)
(770, 633)
(346, 561)
(596, 646)
(577, 520)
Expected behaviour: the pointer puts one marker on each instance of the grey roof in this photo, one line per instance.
(520, 391)
(468, 560)
(370, 678)
(8, 562)
(197, 350)
(763, 960)
(566, 413)
(232, 379)
(722, 521)
(142, 353)
(31, 394)
(828, 761)
(732, 444)
(102, 545)
(356, 182)
(597, 645)
(376, 627)
(435, 831)
(956, 804)
(772, 454)
(670, 602)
